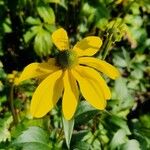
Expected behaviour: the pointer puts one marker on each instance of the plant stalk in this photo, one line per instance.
(107, 43)
(11, 101)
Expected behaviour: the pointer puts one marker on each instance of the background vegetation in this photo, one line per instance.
(25, 37)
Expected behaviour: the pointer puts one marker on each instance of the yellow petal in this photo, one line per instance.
(60, 39)
(47, 94)
(101, 66)
(102, 84)
(71, 95)
(88, 46)
(97, 77)
(90, 88)
(35, 70)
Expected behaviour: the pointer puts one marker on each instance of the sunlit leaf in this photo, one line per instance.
(43, 43)
(47, 14)
(33, 21)
(131, 145)
(29, 35)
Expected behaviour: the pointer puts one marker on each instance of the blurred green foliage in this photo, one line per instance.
(25, 36)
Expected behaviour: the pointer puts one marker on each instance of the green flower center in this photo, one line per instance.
(67, 59)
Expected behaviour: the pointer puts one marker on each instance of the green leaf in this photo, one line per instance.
(102, 23)
(68, 130)
(96, 144)
(29, 35)
(33, 21)
(134, 20)
(145, 119)
(53, 1)
(101, 11)
(4, 128)
(131, 145)
(42, 43)
(127, 58)
(141, 132)
(7, 25)
(120, 122)
(81, 146)
(33, 138)
(119, 61)
(118, 139)
(47, 14)
(122, 93)
(77, 143)
(76, 137)
(35, 146)
(137, 74)
(49, 27)
(85, 112)
(62, 3)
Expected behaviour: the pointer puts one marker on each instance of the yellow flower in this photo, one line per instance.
(71, 70)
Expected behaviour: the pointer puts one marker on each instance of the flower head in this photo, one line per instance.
(72, 70)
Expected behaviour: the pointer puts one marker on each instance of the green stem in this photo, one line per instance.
(61, 135)
(11, 101)
(99, 54)
(107, 43)
(107, 46)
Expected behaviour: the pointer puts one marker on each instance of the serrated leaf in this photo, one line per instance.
(47, 14)
(32, 137)
(42, 43)
(68, 130)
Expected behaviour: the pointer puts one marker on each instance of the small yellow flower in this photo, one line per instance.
(71, 70)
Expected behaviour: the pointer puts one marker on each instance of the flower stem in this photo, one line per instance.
(107, 45)
(11, 101)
